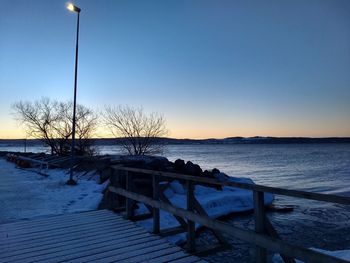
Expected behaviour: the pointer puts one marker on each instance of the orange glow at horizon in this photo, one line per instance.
(197, 133)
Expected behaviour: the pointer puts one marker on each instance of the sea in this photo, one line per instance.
(323, 168)
(314, 167)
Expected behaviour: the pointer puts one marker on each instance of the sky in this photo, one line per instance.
(212, 68)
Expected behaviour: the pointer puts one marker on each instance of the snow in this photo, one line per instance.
(26, 194)
(216, 203)
(342, 254)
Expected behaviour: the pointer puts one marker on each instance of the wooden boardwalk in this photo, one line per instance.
(97, 236)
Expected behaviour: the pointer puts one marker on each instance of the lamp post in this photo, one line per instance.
(71, 181)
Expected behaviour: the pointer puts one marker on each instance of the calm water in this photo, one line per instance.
(323, 168)
(315, 167)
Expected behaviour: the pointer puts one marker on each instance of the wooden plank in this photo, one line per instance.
(17, 234)
(189, 259)
(58, 239)
(93, 237)
(97, 238)
(73, 238)
(129, 253)
(59, 233)
(259, 218)
(191, 227)
(61, 242)
(246, 235)
(110, 251)
(155, 211)
(168, 258)
(46, 219)
(54, 218)
(70, 254)
(267, 189)
(55, 225)
(141, 217)
(82, 246)
(38, 227)
(76, 245)
(151, 255)
(273, 233)
(179, 219)
(217, 234)
(129, 202)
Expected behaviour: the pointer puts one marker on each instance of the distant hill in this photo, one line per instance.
(229, 140)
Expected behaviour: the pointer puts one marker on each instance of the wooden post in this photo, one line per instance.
(155, 211)
(128, 205)
(259, 216)
(191, 242)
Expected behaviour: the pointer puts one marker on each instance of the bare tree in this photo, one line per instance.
(39, 118)
(51, 122)
(139, 132)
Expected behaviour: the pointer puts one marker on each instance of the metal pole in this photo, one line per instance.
(72, 159)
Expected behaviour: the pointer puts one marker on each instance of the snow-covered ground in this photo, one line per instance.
(26, 194)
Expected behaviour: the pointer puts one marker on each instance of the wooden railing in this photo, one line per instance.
(265, 237)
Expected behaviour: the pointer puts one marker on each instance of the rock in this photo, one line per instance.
(215, 171)
(208, 174)
(158, 164)
(192, 169)
(143, 182)
(179, 165)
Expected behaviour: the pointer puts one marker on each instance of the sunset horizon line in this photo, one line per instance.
(213, 138)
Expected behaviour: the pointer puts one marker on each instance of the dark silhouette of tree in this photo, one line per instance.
(51, 122)
(139, 132)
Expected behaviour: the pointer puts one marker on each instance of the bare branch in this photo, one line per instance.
(140, 132)
(51, 122)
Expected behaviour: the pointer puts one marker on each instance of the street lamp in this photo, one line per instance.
(71, 181)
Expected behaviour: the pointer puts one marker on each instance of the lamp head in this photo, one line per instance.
(73, 8)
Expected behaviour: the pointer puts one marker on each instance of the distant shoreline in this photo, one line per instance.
(229, 140)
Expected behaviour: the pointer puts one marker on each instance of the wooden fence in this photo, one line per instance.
(265, 237)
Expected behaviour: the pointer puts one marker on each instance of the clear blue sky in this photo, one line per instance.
(213, 68)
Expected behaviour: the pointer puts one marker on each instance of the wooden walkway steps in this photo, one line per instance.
(96, 236)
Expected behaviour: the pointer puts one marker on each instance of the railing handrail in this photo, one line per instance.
(249, 236)
(344, 200)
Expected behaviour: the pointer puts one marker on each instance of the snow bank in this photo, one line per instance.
(216, 203)
(26, 194)
(342, 254)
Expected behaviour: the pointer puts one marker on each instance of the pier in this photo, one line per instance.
(98, 236)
